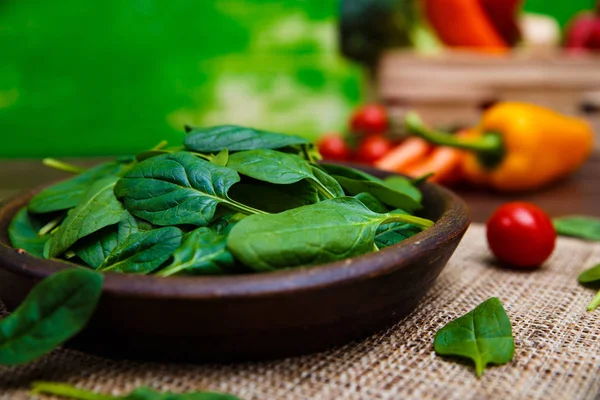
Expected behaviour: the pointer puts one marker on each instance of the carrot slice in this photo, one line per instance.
(443, 163)
(409, 151)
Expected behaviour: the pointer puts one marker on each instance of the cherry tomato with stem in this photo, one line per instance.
(521, 234)
(372, 148)
(334, 147)
(370, 119)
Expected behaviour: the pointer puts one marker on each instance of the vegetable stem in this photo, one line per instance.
(50, 225)
(594, 303)
(243, 208)
(59, 389)
(62, 166)
(321, 188)
(409, 219)
(160, 145)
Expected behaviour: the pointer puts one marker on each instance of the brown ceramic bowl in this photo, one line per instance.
(259, 316)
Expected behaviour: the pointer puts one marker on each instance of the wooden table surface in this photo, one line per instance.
(580, 193)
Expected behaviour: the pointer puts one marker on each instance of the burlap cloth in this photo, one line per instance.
(557, 352)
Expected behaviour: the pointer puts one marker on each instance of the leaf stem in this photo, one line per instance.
(62, 166)
(243, 208)
(60, 389)
(44, 230)
(409, 219)
(321, 188)
(160, 145)
(594, 303)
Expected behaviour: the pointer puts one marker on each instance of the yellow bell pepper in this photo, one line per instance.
(517, 146)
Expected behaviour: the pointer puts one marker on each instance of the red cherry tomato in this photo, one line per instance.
(372, 148)
(332, 146)
(370, 119)
(521, 234)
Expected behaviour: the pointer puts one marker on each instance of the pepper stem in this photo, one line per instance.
(489, 147)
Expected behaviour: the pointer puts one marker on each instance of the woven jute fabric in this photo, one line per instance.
(557, 342)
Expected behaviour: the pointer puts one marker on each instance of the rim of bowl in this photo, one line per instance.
(453, 222)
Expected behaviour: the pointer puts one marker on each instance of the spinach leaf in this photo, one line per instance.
(93, 249)
(178, 188)
(395, 232)
(276, 167)
(69, 193)
(329, 182)
(382, 192)
(143, 252)
(484, 335)
(55, 310)
(203, 252)
(590, 276)
(274, 198)
(143, 393)
(371, 202)
(98, 208)
(347, 172)
(23, 233)
(236, 138)
(222, 158)
(318, 233)
(578, 226)
(128, 225)
(403, 185)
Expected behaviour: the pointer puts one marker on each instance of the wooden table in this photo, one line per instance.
(579, 193)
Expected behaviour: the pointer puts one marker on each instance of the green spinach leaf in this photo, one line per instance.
(67, 194)
(178, 188)
(221, 158)
(128, 225)
(274, 198)
(371, 202)
(578, 226)
(591, 278)
(318, 233)
(98, 208)
(143, 252)
(404, 185)
(329, 182)
(55, 310)
(143, 393)
(484, 335)
(395, 232)
(236, 138)
(93, 249)
(203, 252)
(382, 192)
(23, 233)
(347, 172)
(275, 167)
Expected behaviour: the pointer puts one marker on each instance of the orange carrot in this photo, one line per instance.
(409, 151)
(443, 163)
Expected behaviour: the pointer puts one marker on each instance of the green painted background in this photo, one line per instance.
(103, 77)
(112, 76)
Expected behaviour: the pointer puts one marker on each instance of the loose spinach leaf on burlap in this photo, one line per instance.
(202, 252)
(579, 226)
(142, 393)
(98, 208)
(143, 252)
(318, 233)
(236, 138)
(178, 188)
(69, 193)
(484, 335)
(23, 233)
(56, 309)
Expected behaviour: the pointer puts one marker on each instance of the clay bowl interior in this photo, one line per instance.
(252, 317)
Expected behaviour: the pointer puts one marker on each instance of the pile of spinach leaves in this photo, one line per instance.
(230, 200)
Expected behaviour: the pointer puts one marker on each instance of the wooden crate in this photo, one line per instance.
(452, 88)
